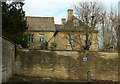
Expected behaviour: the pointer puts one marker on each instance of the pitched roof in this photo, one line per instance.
(46, 24)
(69, 27)
(58, 26)
(40, 23)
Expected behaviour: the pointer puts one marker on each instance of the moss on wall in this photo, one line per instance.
(68, 64)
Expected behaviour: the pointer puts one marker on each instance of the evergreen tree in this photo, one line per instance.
(14, 23)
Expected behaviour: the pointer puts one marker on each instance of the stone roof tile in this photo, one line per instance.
(40, 23)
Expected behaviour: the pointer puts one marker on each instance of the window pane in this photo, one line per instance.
(41, 36)
(68, 42)
(44, 25)
(71, 36)
(30, 37)
(84, 39)
(70, 39)
(76, 22)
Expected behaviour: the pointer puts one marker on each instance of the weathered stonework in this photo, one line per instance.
(8, 55)
(94, 44)
(40, 23)
(61, 40)
(67, 64)
(36, 41)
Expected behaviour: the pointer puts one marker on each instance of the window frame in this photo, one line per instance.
(41, 37)
(44, 24)
(76, 22)
(30, 38)
(68, 39)
(84, 39)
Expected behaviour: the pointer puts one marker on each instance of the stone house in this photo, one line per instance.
(40, 29)
(71, 34)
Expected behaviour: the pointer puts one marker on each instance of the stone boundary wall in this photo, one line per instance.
(0, 60)
(8, 53)
(66, 64)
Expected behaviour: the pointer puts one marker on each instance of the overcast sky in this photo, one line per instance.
(55, 8)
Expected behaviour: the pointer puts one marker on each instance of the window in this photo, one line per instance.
(84, 39)
(44, 25)
(41, 36)
(30, 38)
(70, 39)
(76, 22)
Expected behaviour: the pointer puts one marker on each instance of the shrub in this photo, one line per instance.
(44, 45)
(53, 45)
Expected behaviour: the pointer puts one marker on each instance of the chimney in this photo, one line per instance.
(70, 13)
(63, 21)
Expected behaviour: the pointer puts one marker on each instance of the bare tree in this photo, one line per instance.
(108, 30)
(90, 14)
(103, 25)
(113, 26)
(94, 16)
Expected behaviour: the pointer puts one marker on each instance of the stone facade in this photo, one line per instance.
(36, 41)
(67, 64)
(63, 35)
(58, 33)
(94, 44)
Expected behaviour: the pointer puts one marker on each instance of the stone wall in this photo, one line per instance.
(8, 53)
(0, 60)
(66, 64)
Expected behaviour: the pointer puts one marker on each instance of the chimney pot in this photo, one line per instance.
(70, 13)
(63, 21)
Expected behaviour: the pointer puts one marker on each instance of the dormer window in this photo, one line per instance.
(76, 22)
(44, 25)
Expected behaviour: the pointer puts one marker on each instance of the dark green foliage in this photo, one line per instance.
(44, 45)
(25, 40)
(53, 45)
(13, 22)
